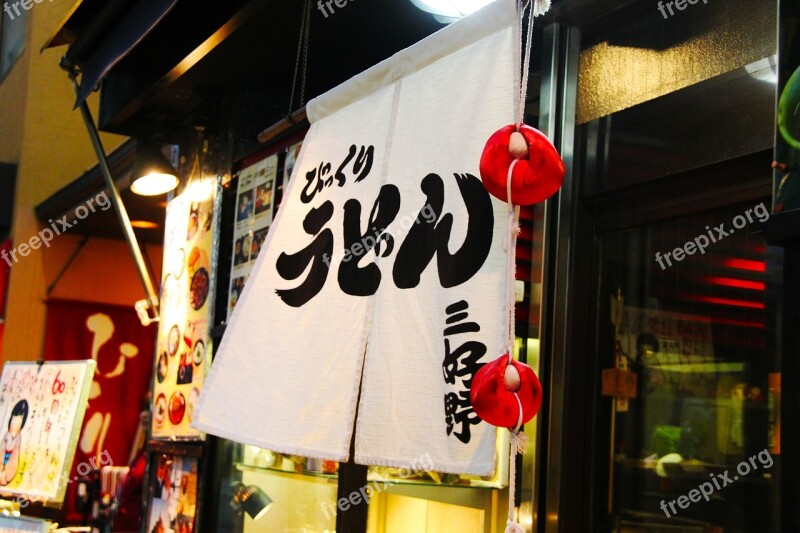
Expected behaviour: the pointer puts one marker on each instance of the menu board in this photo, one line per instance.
(183, 350)
(255, 202)
(42, 408)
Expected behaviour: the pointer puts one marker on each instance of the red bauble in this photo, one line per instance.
(534, 178)
(495, 403)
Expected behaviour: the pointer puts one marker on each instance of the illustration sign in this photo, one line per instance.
(42, 407)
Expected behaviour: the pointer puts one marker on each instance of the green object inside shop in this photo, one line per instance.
(788, 111)
(665, 439)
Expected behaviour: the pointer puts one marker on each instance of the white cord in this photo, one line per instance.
(518, 440)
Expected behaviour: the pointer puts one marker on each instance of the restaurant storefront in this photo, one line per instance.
(649, 290)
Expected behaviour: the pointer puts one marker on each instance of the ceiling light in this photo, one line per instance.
(152, 174)
(450, 10)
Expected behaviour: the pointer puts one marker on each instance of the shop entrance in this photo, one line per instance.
(664, 375)
(683, 328)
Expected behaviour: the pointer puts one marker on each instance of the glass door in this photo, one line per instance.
(683, 328)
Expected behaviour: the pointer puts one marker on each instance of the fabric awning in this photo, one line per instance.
(133, 26)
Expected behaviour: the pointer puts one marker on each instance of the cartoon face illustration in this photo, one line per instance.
(12, 442)
(18, 417)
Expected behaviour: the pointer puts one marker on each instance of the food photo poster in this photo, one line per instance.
(184, 349)
(173, 489)
(255, 203)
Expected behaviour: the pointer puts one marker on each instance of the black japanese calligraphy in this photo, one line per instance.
(292, 266)
(428, 236)
(320, 177)
(459, 366)
(431, 236)
(364, 281)
(462, 362)
(458, 412)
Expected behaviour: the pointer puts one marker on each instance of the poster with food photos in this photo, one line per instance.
(173, 493)
(183, 349)
(255, 203)
(42, 408)
(291, 158)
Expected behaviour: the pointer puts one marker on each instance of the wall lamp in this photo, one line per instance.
(251, 499)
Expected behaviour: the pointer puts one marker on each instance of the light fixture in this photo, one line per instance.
(251, 499)
(144, 224)
(450, 10)
(152, 174)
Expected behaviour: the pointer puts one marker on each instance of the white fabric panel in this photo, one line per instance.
(445, 113)
(464, 32)
(286, 377)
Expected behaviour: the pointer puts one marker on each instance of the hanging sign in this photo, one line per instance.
(42, 408)
(183, 349)
(384, 270)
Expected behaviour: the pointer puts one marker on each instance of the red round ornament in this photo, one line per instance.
(496, 402)
(536, 176)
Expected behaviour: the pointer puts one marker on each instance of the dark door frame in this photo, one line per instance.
(571, 490)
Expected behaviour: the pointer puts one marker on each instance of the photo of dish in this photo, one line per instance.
(197, 259)
(206, 214)
(247, 242)
(194, 260)
(240, 254)
(166, 285)
(160, 410)
(258, 242)
(198, 290)
(180, 263)
(199, 352)
(177, 407)
(263, 197)
(173, 339)
(245, 208)
(192, 401)
(170, 297)
(185, 369)
(193, 224)
(163, 367)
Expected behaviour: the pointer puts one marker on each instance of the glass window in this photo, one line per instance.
(658, 96)
(696, 446)
(12, 37)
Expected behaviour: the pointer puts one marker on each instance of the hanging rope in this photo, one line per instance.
(519, 440)
(301, 61)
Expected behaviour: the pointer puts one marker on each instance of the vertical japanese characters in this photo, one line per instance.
(458, 368)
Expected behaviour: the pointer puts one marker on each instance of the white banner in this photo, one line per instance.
(387, 258)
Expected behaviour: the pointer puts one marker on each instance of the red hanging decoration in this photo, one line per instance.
(538, 170)
(499, 389)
